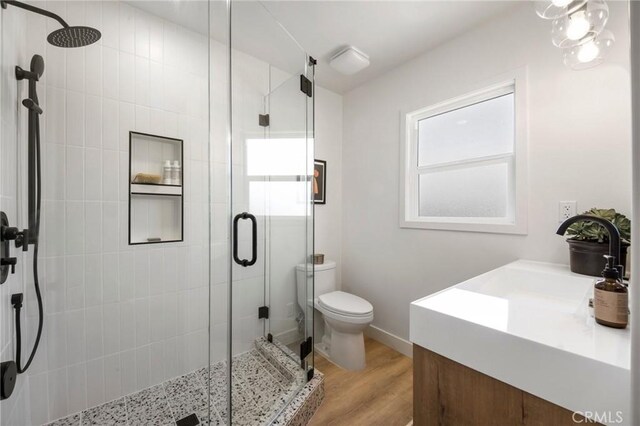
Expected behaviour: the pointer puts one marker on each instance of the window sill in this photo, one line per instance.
(488, 227)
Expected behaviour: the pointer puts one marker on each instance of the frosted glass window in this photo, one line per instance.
(464, 161)
(278, 157)
(474, 192)
(482, 129)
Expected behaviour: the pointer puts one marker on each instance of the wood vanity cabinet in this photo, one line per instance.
(450, 394)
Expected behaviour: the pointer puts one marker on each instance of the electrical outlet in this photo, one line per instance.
(566, 209)
(289, 310)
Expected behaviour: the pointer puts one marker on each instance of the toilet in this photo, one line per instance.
(345, 316)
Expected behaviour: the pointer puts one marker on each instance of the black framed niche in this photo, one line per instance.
(156, 189)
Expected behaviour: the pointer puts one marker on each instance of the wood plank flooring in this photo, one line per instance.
(381, 394)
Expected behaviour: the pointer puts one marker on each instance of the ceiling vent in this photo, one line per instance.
(349, 61)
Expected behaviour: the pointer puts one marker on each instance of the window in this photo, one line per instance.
(465, 162)
(276, 171)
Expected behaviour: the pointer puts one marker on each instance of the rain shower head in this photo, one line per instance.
(74, 36)
(66, 36)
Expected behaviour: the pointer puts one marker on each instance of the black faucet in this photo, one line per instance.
(612, 230)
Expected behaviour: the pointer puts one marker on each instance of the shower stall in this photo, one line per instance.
(174, 207)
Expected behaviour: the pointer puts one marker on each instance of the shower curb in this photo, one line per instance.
(304, 405)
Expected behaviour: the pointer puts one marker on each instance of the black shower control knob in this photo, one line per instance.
(9, 233)
(9, 261)
(8, 376)
(22, 240)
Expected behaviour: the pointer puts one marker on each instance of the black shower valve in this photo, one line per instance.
(9, 261)
(21, 238)
(8, 377)
(8, 233)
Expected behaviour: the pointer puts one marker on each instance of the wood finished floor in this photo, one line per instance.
(381, 394)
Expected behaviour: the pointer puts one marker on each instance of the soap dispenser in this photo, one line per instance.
(611, 298)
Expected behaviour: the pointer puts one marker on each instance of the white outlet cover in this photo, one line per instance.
(566, 209)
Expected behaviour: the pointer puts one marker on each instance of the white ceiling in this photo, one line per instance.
(390, 32)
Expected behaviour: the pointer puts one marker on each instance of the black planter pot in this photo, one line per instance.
(585, 257)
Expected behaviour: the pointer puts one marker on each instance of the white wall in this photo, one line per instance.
(579, 149)
(328, 146)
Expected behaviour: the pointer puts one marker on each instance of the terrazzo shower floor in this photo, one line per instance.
(264, 382)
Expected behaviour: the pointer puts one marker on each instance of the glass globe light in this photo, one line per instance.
(580, 25)
(554, 9)
(589, 52)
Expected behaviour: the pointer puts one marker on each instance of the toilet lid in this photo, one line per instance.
(345, 303)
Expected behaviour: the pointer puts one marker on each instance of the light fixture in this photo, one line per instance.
(590, 52)
(349, 61)
(580, 25)
(553, 9)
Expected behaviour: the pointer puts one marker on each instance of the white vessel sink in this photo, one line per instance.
(528, 324)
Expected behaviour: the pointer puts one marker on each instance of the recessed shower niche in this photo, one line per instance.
(156, 191)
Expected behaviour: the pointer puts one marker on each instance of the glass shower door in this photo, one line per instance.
(270, 165)
(271, 242)
(289, 215)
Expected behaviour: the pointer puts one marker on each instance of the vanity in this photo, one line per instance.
(516, 346)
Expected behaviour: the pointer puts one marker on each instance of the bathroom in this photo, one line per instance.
(232, 222)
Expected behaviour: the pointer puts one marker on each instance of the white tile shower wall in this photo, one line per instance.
(13, 24)
(118, 318)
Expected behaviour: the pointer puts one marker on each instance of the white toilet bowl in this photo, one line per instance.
(346, 316)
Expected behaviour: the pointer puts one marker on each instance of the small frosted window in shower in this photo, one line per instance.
(277, 157)
(475, 192)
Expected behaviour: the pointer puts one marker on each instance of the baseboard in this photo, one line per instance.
(398, 343)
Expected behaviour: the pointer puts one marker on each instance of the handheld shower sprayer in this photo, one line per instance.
(29, 236)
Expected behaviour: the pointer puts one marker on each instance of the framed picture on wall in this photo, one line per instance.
(320, 182)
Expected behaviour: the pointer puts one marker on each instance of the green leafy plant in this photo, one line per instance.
(592, 231)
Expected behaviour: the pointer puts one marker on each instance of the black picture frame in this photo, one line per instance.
(320, 182)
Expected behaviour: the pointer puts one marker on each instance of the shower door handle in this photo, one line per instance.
(254, 239)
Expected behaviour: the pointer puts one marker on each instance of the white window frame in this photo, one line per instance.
(515, 83)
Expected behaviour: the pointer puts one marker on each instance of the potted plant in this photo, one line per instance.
(589, 241)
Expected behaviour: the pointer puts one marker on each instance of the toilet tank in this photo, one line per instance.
(324, 282)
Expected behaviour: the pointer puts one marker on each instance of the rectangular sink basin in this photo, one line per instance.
(528, 324)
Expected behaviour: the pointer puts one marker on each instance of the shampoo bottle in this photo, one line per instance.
(611, 298)
(166, 173)
(176, 173)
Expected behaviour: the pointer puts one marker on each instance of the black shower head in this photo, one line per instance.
(74, 36)
(64, 37)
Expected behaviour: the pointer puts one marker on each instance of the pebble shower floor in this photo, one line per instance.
(265, 390)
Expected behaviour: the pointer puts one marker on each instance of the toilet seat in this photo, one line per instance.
(345, 306)
(347, 319)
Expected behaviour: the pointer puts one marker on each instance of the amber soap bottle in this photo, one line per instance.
(611, 298)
